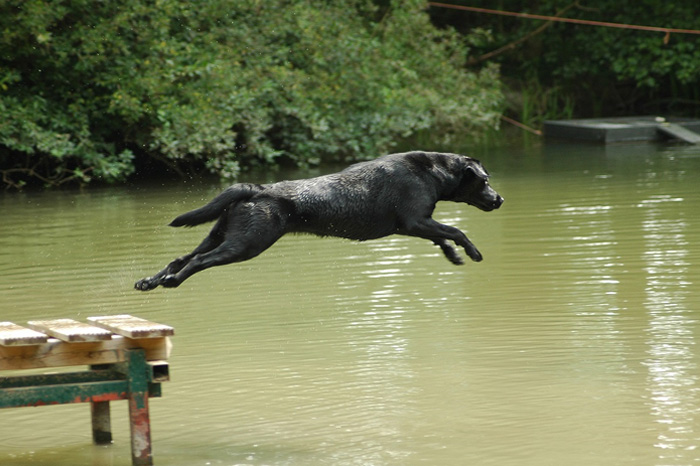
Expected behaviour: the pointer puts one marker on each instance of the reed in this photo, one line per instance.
(539, 103)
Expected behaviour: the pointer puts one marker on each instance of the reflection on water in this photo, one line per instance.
(672, 363)
(574, 341)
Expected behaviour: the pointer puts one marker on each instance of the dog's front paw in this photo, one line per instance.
(453, 256)
(474, 254)
(456, 260)
(146, 284)
(450, 252)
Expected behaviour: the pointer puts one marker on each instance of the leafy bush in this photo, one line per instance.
(92, 90)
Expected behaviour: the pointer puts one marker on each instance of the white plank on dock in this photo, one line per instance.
(70, 330)
(16, 335)
(132, 327)
(679, 132)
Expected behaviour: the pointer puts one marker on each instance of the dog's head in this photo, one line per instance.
(474, 187)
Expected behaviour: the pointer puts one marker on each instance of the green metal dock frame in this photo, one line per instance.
(127, 365)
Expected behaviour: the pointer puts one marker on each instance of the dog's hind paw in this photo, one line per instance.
(146, 284)
(170, 281)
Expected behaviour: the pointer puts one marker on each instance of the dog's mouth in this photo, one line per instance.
(489, 205)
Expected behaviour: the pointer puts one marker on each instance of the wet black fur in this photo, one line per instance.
(393, 194)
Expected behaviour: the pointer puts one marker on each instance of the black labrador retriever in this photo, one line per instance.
(392, 194)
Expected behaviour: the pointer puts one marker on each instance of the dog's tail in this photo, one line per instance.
(215, 207)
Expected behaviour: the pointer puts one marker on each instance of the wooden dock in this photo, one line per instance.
(625, 129)
(125, 356)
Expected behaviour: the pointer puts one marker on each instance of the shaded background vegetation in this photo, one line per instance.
(109, 90)
(101, 90)
(566, 70)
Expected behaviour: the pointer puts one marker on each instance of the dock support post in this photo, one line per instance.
(101, 422)
(139, 418)
(100, 416)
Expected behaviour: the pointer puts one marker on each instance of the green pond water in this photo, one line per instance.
(575, 341)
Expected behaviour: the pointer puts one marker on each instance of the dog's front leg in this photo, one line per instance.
(449, 251)
(438, 233)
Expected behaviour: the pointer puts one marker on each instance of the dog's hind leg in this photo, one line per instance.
(251, 228)
(214, 239)
(230, 251)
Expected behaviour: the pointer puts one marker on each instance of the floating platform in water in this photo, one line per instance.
(625, 129)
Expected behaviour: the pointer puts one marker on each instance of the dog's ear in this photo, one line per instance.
(475, 167)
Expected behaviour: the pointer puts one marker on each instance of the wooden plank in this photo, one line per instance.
(679, 132)
(55, 353)
(70, 330)
(132, 327)
(16, 335)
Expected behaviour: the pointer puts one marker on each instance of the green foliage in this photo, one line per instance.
(90, 90)
(605, 71)
(628, 71)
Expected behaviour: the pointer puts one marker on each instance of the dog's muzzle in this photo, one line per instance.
(499, 201)
(492, 204)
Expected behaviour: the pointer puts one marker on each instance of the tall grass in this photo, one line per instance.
(539, 103)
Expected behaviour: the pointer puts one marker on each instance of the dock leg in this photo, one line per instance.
(101, 422)
(100, 415)
(139, 419)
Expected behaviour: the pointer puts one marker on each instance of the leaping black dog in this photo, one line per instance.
(393, 194)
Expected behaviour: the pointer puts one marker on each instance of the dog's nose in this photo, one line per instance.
(499, 201)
